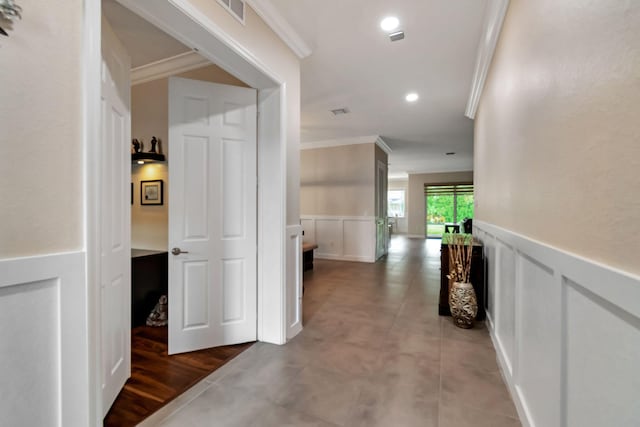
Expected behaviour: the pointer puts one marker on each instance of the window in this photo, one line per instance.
(235, 7)
(395, 203)
(447, 204)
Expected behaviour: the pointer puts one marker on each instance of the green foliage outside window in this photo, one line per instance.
(440, 210)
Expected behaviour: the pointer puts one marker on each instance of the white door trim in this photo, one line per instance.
(91, 129)
(236, 59)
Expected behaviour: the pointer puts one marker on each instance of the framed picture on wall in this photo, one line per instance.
(151, 192)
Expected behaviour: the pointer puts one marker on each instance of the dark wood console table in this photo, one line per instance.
(149, 281)
(477, 279)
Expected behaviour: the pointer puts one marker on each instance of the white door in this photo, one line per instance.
(115, 217)
(381, 210)
(212, 215)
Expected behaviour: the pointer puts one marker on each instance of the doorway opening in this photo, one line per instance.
(271, 99)
(447, 205)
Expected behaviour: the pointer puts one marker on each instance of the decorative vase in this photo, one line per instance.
(463, 304)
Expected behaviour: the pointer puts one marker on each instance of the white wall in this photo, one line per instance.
(40, 141)
(557, 130)
(556, 169)
(338, 200)
(43, 293)
(341, 238)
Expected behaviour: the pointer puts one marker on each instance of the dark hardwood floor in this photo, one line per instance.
(157, 378)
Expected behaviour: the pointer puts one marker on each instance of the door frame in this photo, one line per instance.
(187, 24)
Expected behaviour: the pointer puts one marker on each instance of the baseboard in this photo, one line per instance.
(344, 258)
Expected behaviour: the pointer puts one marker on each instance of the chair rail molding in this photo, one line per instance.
(493, 20)
(566, 331)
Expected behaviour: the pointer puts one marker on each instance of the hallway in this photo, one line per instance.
(374, 352)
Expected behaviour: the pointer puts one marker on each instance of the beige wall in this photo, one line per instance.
(150, 117)
(40, 139)
(338, 180)
(416, 207)
(269, 49)
(557, 135)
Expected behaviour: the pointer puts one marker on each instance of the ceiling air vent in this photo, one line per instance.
(339, 111)
(235, 8)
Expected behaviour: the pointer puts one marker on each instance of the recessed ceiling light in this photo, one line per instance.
(411, 97)
(389, 23)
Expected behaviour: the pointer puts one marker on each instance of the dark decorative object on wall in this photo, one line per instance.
(154, 154)
(151, 192)
(137, 145)
(9, 12)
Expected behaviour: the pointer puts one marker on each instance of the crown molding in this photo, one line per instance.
(493, 21)
(370, 139)
(383, 145)
(168, 67)
(270, 15)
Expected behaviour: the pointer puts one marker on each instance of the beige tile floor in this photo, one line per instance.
(373, 352)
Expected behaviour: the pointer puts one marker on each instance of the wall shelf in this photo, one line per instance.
(147, 157)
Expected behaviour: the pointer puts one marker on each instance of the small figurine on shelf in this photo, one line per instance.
(154, 141)
(137, 147)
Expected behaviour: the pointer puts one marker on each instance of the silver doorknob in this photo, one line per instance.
(178, 251)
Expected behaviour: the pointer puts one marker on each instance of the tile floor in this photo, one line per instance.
(374, 352)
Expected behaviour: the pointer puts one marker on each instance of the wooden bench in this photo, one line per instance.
(307, 255)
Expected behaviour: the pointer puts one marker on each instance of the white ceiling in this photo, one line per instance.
(353, 64)
(144, 42)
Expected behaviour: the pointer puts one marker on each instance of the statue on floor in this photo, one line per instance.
(159, 315)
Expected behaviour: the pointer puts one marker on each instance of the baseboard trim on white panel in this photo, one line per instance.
(344, 258)
(566, 330)
(294, 280)
(341, 238)
(43, 313)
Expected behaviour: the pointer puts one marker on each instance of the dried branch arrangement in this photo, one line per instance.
(460, 251)
(9, 11)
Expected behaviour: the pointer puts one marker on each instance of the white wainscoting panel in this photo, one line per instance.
(341, 237)
(44, 354)
(294, 280)
(505, 298)
(566, 331)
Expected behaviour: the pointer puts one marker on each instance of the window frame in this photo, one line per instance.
(404, 203)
